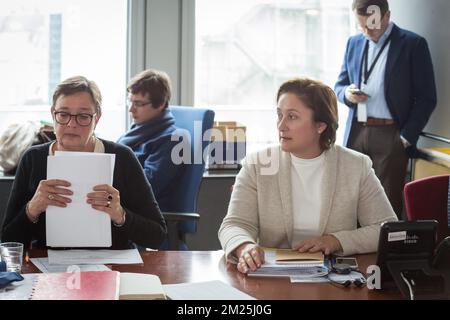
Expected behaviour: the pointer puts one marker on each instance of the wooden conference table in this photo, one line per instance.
(196, 266)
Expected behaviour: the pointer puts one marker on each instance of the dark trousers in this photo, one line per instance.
(384, 147)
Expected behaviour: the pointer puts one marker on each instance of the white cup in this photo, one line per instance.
(12, 254)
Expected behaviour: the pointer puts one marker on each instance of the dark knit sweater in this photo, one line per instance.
(144, 224)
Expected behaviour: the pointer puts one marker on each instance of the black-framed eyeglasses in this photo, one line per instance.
(83, 119)
(137, 104)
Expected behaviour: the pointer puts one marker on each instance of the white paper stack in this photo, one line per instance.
(305, 269)
(78, 224)
(80, 257)
(209, 290)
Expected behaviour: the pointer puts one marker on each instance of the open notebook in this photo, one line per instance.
(140, 286)
(90, 285)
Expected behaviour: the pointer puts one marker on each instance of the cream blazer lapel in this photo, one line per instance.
(329, 186)
(284, 182)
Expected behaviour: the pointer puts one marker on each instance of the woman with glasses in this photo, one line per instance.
(150, 136)
(129, 202)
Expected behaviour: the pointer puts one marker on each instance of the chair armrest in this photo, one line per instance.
(173, 233)
(180, 216)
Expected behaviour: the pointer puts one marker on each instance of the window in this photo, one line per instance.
(44, 42)
(246, 49)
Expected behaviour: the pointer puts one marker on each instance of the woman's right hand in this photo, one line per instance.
(49, 193)
(251, 257)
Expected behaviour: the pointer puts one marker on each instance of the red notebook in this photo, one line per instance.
(90, 285)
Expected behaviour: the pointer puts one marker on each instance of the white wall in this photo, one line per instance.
(429, 18)
(170, 28)
(170, 47)
(163, 40)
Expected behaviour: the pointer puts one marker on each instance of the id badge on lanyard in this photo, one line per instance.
(362, 108)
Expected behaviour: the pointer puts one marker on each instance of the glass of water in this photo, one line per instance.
(12, 254)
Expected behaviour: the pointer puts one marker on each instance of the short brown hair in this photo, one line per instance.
(79, 84)
(361, 6)
(154, 83)
(321, 99)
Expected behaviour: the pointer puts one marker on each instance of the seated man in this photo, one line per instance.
(150, 135)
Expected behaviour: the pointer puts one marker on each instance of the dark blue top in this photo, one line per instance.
(152, 145)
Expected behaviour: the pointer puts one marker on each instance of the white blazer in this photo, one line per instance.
(260, 209)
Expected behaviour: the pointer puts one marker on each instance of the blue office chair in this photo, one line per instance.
(193, 124)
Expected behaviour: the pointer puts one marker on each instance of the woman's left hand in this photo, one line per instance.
(107, 199)
(327, 244)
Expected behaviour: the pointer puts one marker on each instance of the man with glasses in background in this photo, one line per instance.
(387, 81)
(150, 135)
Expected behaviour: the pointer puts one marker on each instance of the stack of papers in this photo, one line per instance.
(85, 260)
(77, 257)
(287, 263)
(289, 271)
(209, 290)
(45, 267)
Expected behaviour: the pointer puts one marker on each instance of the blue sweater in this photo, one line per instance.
(152, 145)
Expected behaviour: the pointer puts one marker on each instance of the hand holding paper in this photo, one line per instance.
(107, 199)
(53, 192)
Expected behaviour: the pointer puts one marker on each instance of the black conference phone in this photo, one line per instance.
(408, 259)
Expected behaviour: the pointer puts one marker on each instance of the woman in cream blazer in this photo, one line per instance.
(342, 192)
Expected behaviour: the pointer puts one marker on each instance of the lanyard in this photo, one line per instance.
(368, 72)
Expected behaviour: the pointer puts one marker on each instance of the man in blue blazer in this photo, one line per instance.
(387, 81)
